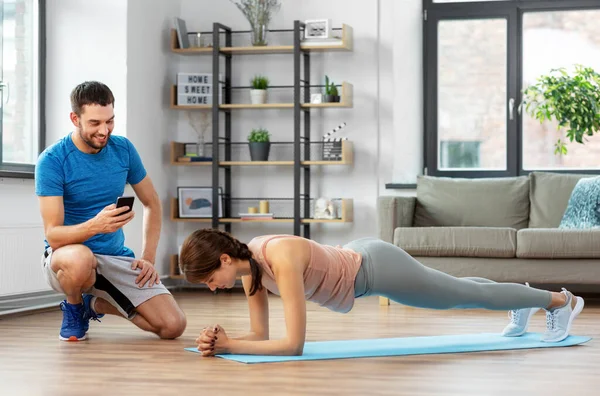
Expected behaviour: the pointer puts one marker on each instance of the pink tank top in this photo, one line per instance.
(328, 278)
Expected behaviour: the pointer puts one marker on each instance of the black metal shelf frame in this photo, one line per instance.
(301, 198)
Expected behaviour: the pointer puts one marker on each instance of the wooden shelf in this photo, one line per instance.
(257, 106)
(346, 44)
(347, 209)
(347, 216)
(256, 163)
(347, 156)
(346, 95)
(346, 101)
(178, 158)
(187, 51)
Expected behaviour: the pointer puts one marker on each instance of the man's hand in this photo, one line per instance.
(111, 218)
(148, 273)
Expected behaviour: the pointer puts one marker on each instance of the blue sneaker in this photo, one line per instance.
(72, 328)
(88, 312)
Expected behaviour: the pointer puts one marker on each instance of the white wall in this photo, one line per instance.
(149, 64)
(86, 40)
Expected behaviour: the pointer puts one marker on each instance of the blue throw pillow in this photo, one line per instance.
(583, 209)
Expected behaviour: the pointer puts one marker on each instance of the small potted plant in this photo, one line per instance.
(258, 93)
(259, 144)
(331, 92)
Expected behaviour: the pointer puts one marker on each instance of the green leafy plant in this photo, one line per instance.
(330, 88)
(572, 100)
(259, 135)
(260, 82)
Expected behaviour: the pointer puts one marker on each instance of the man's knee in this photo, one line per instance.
(75, 261)
(173, 325)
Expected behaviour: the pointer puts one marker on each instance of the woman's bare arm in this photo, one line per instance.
(288, 259)
(258, 306)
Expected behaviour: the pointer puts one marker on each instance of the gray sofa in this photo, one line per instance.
(502, 229)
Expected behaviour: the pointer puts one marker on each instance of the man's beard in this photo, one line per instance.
(90, 143)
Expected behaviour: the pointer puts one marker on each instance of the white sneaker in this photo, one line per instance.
(559, 320)
(519, 321)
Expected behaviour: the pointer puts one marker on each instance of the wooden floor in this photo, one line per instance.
(119, 359)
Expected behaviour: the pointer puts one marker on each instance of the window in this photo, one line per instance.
(21, 82)
(478, 58)
(472, 89)
(575, 38)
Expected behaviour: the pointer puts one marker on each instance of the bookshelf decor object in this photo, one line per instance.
(300, 152)
(317, 29)
(197, 202)
(332, 147)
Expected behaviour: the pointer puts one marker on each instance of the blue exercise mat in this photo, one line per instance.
(322, 350)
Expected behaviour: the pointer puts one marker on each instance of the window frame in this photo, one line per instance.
(513, 10)
(25, 171)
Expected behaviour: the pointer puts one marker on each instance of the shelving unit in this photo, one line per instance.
(345, 208)
(178, 157)
(303, 152)
(345, 101)
(345, 45)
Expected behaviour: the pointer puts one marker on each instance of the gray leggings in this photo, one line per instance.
(389, 271)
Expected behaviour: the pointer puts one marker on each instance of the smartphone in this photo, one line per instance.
(125, 201)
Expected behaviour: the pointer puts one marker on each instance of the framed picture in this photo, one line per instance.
(317, 29)
(197, 202)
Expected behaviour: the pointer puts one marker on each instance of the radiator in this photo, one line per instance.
(21, 249)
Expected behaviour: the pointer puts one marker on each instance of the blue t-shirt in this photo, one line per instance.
(88, 183)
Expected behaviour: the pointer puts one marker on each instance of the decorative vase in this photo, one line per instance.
(258, 96)
(259, 151)
(200, 147)
(258, 35)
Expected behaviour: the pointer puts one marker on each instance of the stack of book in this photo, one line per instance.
(256, 216)
(195, 89)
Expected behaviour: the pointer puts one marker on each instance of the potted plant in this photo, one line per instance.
(259, 144)
(331, 92)
(258, 13)
(571, 100)
(258, 93)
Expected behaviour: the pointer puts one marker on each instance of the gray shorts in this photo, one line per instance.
(115, 283)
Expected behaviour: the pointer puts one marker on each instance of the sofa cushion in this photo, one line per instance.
(549, 196)
(557, 243)
(457, 241)
(454, 202)
(584, 203)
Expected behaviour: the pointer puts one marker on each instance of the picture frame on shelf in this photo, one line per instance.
(317, 29)
(196, 202)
